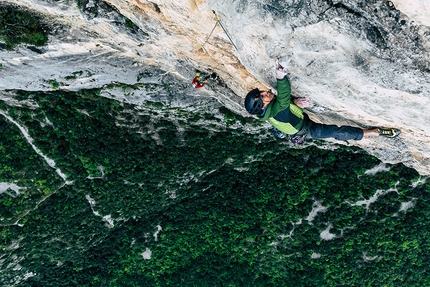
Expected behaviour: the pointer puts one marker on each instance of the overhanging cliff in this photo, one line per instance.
(365, 64)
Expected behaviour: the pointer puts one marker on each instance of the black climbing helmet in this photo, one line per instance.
(253, 102)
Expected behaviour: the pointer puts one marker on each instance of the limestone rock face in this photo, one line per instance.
(362, 63)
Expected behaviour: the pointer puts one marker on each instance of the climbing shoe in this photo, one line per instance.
(391, 133)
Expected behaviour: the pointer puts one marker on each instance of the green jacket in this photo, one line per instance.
(281, 112)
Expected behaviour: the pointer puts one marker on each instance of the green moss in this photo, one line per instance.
(74, 75)
(55, 85)
(129, 24)
(156, 105)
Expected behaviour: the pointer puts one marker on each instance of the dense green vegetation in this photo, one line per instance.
(219, 208)
(21, 26)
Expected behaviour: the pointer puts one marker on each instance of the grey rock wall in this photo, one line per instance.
(362, 63)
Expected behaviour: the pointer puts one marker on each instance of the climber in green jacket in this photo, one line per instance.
(288, 118)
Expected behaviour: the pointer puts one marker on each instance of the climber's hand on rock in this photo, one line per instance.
(281, 72)
(302, 102)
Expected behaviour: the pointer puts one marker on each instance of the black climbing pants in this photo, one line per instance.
(343, 133)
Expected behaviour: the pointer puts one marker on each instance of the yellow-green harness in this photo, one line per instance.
(287, 128)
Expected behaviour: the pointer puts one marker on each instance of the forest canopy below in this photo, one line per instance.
(21, 26)
(158, 199)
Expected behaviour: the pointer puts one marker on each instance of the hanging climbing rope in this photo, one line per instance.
(201, 78)
(210, 34)
(225, 31)
(218, 21)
